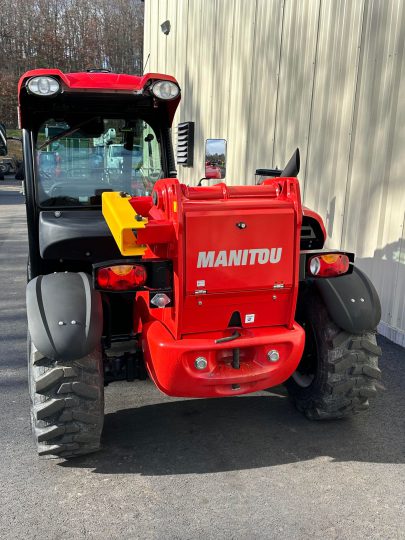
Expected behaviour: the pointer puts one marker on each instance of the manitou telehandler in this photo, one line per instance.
(210, 291)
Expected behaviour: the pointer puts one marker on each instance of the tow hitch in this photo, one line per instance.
(235, 352)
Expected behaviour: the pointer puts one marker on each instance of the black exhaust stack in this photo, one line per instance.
(293, 166)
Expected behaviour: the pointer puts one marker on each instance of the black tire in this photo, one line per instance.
(67, 403)
(338, 372)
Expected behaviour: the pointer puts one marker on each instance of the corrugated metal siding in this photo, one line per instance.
(327, 76)
(263, 98)
(333, 96)
(297, 65)
(375, 203)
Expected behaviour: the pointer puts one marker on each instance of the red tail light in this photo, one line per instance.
(328, 265)
(121, 277)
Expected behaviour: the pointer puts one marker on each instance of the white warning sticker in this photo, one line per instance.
(201, 283)
(250, 318)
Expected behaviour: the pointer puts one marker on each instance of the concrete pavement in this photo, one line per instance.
(242, 468)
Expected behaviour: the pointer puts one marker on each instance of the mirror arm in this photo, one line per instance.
(204, 178)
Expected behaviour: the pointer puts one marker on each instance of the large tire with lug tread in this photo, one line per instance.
(67, 403)
(338, 372)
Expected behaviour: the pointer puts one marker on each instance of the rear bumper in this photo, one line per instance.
(170, 362)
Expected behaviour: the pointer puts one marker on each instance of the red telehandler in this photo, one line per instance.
(210, 291)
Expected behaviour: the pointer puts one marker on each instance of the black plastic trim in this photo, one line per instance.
(75, 235)
(65, 315)
(351, 301)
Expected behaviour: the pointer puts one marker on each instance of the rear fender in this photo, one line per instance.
(65, 316)
(351, 301)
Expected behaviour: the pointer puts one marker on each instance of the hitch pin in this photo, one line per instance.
(235, 335)
(235, 352)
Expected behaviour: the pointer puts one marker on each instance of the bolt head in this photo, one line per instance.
(200, 363)
(273, 355)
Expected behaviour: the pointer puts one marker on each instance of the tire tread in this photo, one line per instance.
(350, 373)
(67, 404)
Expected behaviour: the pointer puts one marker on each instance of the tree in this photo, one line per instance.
(71, 35)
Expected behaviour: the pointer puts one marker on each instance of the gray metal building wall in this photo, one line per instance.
(325, 75)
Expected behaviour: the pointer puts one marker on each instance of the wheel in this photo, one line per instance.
(3, 168)
(338, 372)
(67, 403)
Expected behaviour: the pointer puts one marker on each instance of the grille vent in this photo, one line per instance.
(185, 144)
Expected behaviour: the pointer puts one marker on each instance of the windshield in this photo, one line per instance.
(75, 164)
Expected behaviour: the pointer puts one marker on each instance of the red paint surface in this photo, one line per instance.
(206, 219)
(170, 362)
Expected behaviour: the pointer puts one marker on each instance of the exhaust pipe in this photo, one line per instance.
(293, 166)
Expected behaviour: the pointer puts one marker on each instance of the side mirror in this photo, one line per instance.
(215, 158)
(3, 140)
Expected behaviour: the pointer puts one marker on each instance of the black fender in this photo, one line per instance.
(65, 315)
(351, 300)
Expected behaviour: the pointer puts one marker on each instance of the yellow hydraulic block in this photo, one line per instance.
(123, 222)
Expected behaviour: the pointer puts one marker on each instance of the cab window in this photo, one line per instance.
(74, 164)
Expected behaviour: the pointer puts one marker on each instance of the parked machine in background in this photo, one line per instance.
(8, 164)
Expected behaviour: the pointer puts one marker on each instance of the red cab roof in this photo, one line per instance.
(97, 81)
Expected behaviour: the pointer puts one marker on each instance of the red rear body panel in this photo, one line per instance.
(170, 362)
(235, 255)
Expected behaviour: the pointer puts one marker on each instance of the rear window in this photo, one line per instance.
(75, 164)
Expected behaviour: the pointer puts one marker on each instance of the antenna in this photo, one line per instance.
(146, 63)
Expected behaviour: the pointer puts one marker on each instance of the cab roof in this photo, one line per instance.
(84, 87)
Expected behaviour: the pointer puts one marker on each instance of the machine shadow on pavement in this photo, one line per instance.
(215, 435)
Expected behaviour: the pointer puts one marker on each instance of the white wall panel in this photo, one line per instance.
(326, 166)
(263, 96)
(297, 66)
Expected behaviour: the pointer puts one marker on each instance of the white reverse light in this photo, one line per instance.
(315, 266)
(43, 86)
(165, 90)
(160, 300)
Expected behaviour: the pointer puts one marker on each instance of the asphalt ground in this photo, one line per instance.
(239, 468)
